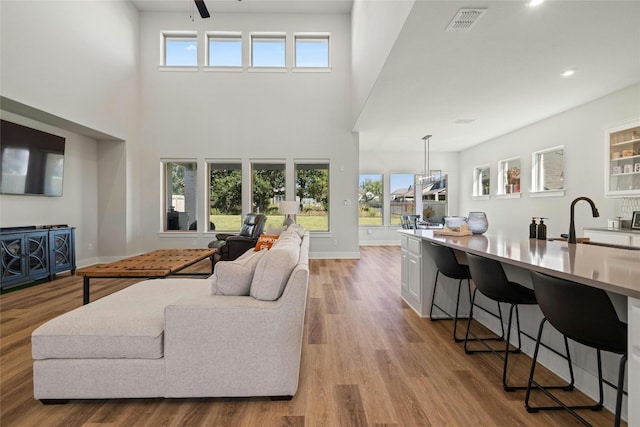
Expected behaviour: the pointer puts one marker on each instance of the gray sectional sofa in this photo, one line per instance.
(238, 333)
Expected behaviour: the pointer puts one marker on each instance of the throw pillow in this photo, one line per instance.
(275, 231)
(234, 277)
(265, 241)
(273, 271)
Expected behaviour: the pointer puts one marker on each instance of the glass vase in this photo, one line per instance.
(477, 222)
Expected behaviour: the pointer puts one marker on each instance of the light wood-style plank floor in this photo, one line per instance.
(367, 360)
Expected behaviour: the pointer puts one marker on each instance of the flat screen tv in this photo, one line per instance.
(32, 161)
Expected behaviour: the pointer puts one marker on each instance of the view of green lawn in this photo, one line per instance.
(233, 222)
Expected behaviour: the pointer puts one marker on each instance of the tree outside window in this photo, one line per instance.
(312, 192)
(268, 188)
(370, 199)
(225, 196)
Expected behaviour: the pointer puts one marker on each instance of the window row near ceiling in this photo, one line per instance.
(400, 197)
(547, 175)
(225, 191)
(225, 50)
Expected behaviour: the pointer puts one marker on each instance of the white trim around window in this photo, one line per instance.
(547, 173)
(175, 35)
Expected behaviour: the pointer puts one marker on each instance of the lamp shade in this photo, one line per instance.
(288, 207)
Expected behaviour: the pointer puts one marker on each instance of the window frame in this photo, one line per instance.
(164, 194)
(186, 35)
(283, 191)
(314, 162)
(257, 36)
(478, 188)
(209, 163)
(537, 173)
(382, 202)
(311, 36)
(390, 192)
(502, 178)
(228, 36)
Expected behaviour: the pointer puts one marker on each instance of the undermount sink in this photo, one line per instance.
(586, 241)
(609, 245)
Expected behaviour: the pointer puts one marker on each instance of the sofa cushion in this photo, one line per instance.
(300, 230)
(234, 277)
(128, 324)
(274, 231)
(287, 236)
(273, 270)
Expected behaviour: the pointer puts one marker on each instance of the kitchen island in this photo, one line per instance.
(617, 271)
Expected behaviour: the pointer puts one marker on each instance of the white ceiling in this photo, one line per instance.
(504, 74)
(249, 6)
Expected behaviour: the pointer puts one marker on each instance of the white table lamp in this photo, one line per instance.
(288, 208)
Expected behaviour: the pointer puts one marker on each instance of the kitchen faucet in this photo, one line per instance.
(572, 226)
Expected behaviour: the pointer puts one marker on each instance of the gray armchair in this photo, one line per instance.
(231, 246)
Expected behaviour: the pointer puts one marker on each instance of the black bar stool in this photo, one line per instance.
(490, 279)
(447, 264)
(587, 316)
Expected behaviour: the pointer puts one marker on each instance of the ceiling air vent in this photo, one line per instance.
(464, 20)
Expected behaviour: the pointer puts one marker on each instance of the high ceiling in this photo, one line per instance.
(504, 74)
(249, 6)
(465, 88)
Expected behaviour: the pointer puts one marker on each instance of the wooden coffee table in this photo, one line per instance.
(152, 265)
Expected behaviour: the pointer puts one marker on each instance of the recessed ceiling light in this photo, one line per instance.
(568, 73)
(534, 3)
(464, 121)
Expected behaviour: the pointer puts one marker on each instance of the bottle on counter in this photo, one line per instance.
(542, 230)
(532, 228)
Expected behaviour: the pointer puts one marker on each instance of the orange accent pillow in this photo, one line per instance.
(265, 241)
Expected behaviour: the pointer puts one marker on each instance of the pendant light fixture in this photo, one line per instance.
(429, 176)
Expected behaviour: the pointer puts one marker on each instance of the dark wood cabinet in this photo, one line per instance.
(28, 254)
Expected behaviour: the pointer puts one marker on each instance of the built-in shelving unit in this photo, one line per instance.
(622, 160)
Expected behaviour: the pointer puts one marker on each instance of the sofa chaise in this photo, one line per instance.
(237, 334)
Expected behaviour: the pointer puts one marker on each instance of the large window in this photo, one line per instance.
(180, 49)
(267, 189)
(268, 50)
(548, 170)
(312, 50)
(312, 192)
(370, 199)
(225, 196)
(224, 50)
(180, 203)
(402, 196)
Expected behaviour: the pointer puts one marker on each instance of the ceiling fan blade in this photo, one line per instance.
(202, 8)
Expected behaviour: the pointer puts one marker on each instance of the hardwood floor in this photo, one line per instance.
(367, 360)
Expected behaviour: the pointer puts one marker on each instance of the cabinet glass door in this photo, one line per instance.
(623, 160)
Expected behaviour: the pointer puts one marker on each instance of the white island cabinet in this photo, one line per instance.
(633, 361)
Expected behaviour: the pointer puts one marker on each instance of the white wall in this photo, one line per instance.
(581, 131)
(375, 26)
(76, 63)
(247, 115)
(78, 205)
